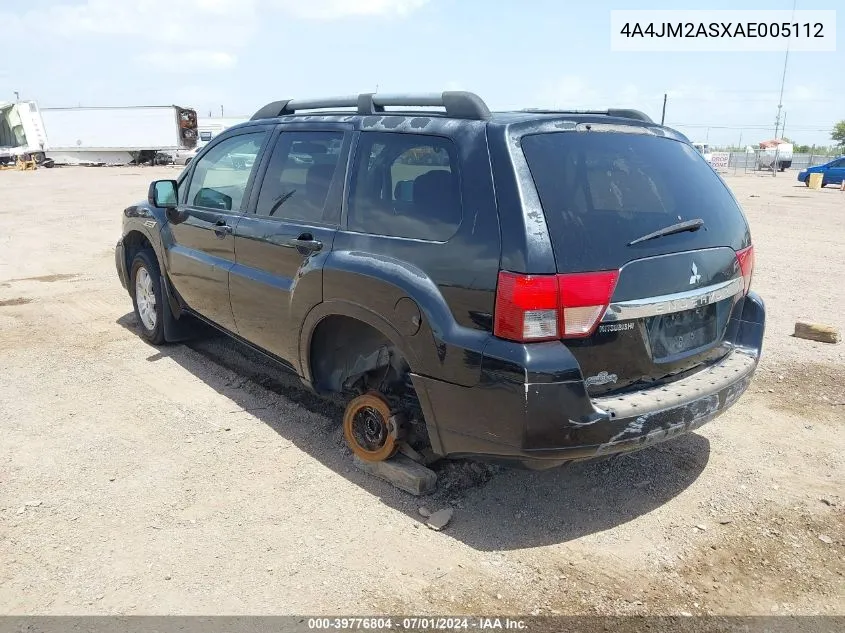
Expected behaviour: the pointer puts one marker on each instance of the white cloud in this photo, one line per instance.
(176, 24)
(168, 21)
(187, 61)
(336, 9)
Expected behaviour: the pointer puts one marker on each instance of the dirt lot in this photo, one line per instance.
(197, 480)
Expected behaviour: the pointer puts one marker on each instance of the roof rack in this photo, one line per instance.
(458, 104)
(624, 113)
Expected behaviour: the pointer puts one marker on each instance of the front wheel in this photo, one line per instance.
(145, 282)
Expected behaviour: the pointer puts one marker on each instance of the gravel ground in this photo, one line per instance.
(199, 480)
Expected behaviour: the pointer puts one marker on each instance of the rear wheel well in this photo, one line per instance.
(350, 357)
(345, 351)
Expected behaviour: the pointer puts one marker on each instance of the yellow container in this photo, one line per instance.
(816, 181)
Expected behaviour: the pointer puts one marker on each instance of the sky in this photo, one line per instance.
(241, 54)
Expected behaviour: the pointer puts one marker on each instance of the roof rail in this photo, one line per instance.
(458, 104)
(624, 113)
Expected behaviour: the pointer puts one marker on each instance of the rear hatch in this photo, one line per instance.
(642, 218)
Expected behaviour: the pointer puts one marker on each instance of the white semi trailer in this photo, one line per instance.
(117, 135)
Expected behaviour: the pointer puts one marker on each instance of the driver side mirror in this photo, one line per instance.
(163, 194)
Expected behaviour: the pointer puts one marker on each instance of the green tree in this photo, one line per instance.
(838, 133)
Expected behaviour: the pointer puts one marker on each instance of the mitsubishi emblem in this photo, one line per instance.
(695, 277)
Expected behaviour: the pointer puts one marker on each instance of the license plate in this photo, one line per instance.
(673, 334)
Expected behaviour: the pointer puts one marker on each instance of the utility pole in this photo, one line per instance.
(17, 96)
(221, 111)
(663, 116)
(783, 77)
(783, 129)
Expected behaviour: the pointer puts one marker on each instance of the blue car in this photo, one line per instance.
(834, 172)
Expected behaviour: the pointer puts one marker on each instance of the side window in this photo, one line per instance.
(220, 176)
(405, 185)
(301, 170)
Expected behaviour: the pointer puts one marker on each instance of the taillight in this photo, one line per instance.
(583, 299)
(745, 257)
(547, 307)
(526, 307)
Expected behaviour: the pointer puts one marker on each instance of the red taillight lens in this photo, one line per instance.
(547, 307)
(526, 307)
(583, 299)
(745, 257)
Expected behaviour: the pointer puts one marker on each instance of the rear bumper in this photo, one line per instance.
(547, 418)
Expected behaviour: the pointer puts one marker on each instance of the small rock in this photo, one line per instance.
(827, 501)
(270, 569)
(725, 521)
(227, 428)
(780, 376)
(33, 504)
(701, 527)
(686, 614)
(424, 512)
(100, 597)
(168, 577)
(535, 611)
(438, 520)
(824, 538)
(112, 478)
(498, 596)
(775, 487)
(771, 390)
(21, 510)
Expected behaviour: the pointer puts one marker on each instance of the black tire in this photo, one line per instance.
(150, 318)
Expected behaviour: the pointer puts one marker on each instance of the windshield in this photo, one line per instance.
(602, 190)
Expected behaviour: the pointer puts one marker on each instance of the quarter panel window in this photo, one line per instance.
(220, 177)
(405, 185)
(299, 176)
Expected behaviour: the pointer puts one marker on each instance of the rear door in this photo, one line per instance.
(603, 193)
(282, 242)
(201, 250)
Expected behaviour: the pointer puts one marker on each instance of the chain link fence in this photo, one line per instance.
(748, 161)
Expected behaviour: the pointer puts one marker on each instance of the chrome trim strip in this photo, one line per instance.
(677, 302)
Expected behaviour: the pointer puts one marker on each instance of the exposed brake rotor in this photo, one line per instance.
(369, 429)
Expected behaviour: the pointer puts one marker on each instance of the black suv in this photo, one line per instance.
(532, 286)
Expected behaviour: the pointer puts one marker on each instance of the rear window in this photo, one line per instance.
(601, 190)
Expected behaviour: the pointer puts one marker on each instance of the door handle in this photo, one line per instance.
(306, 242)
(221, 229)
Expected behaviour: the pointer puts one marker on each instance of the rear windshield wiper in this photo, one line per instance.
(680, 227)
